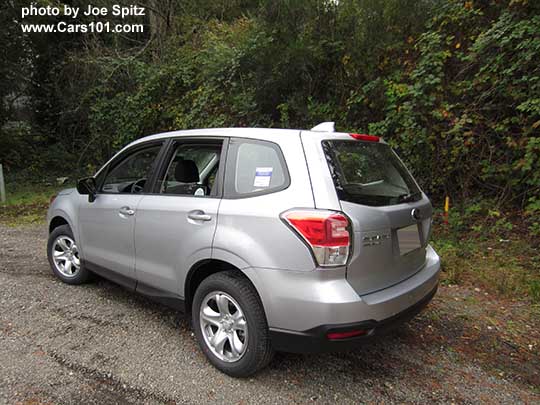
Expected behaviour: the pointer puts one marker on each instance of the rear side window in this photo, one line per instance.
(369, 173)
(254, 168)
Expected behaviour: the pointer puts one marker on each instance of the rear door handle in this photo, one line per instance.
(126, 211)
(199, 215)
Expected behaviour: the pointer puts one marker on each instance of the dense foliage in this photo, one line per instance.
(453, 85)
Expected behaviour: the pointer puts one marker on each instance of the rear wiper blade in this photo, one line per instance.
(408, 197)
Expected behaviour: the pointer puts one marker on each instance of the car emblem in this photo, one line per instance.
(416, 214)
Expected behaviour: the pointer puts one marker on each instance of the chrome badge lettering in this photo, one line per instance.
(373, 240)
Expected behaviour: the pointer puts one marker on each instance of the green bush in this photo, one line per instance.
(453, 85)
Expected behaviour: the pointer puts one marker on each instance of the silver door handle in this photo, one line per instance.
(126, 211)
(199, 216)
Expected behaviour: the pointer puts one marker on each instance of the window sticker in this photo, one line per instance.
(262, 176)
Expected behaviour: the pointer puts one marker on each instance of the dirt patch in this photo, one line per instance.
(501, 336)
(99, 343)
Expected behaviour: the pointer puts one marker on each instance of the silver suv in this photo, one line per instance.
(272, 239)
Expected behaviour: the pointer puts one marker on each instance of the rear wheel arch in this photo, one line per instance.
(204, 268)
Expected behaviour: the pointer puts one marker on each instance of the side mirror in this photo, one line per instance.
(87, 186)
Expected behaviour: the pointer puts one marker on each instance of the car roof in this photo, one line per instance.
(229, 132)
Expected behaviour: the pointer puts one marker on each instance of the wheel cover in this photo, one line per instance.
(224, 327)
(66, 256)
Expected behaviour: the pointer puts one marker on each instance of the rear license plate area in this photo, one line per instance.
(408, 239)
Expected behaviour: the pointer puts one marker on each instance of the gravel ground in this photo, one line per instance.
(100, 344)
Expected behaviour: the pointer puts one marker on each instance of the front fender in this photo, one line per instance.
(67, 207)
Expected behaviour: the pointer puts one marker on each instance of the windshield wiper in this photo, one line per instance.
(408, 197)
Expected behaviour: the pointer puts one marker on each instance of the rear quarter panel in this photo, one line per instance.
(250, 232)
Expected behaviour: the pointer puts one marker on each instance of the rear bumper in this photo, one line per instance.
(315, 340)
(302, 306)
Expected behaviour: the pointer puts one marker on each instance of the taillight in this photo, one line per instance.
(365, 137)
(52, 199)
(326, 232)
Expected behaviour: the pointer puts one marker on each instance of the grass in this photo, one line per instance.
(505, 267)
(27, 204)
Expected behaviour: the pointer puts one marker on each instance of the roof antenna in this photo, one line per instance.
(324, 127)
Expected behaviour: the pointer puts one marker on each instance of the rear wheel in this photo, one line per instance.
(230, 324)
(64, 258)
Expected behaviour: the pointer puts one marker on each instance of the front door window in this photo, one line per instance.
(132, 173)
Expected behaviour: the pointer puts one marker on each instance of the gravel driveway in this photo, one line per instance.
(99, 343)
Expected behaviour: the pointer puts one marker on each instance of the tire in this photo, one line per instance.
(237, 292)
(61, 239)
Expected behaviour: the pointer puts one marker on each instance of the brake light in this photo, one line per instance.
(52, 199)
(326, 233)
(365, 137)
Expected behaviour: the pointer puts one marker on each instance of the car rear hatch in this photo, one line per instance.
(390, 216)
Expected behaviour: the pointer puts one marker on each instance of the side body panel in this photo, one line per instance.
(168, 242)
(107, 234)
(250, 230)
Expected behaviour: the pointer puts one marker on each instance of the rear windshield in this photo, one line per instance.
(369, 173)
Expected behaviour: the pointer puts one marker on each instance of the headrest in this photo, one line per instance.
(186, 171)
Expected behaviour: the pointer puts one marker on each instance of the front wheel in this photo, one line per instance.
(230, 324)
(63, 255)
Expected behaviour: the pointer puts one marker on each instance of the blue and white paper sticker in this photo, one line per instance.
(262, 176)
